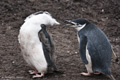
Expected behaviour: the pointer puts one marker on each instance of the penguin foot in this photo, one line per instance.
(38, 76)
(86, 74)
(32, 71)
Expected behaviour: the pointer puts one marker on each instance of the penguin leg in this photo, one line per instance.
(37, 75)
(32, 71)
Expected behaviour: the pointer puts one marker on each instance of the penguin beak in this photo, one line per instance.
(70, 22)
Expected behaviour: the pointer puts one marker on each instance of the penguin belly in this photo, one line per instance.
(36, 59)
(33, 54)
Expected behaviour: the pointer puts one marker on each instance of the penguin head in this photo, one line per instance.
(78, 24)
(41, 17)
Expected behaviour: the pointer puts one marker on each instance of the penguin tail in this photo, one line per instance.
(111, 77)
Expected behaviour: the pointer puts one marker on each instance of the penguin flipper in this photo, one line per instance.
(46, 43)
(49, 41)
(82, 48)
(47, 35)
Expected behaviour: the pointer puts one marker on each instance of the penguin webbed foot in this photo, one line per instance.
(38, 75)
(86, 74)
(32, 72)
(90, 74)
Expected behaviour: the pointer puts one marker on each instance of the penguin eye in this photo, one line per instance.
(79, 25)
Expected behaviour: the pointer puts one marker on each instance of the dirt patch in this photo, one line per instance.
(104, 13)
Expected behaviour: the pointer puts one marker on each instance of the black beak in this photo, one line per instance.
(69, 22)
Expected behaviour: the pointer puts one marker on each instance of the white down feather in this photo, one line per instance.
(31, 47)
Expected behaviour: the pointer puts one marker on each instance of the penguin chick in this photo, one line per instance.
(32, 48)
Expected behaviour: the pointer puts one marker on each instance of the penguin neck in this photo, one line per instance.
(80, 27)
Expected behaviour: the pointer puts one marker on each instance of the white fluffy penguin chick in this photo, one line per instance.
(31, 46)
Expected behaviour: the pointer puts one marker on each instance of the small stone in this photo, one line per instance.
(102, 10)
(13, 62)
(76, 52)
(68, 51)
(9, 28)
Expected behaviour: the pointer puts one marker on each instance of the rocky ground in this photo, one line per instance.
(104, 13)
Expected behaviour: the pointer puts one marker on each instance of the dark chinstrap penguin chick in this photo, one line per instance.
(94, 47)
